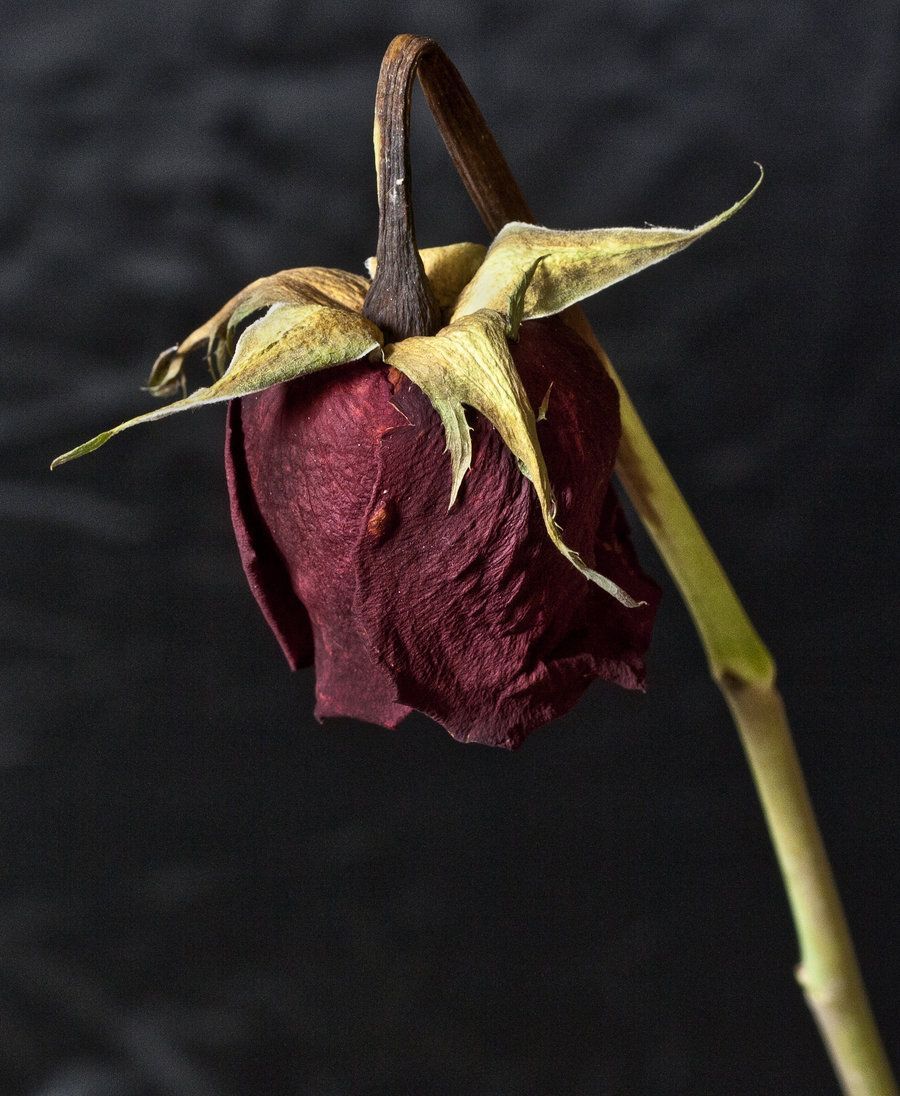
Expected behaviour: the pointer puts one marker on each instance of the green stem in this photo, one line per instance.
(739, 661)
(744, 671)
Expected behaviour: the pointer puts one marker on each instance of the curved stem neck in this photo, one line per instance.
(400, 300)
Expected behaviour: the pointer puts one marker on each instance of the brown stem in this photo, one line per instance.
(400, 300)
(475, 154)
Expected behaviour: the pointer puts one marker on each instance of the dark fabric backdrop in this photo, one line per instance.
(204, 891)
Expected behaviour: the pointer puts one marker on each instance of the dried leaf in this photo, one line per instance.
(290, 340)
(167, 375)
(459, 441)
(304, 285)
(575, 264)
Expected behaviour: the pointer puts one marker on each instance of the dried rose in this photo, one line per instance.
(487, 592)
(492, 615)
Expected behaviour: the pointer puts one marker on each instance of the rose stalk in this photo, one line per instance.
(526, 587)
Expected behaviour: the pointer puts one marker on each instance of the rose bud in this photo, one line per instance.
(419, 467)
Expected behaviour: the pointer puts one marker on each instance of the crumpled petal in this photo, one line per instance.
(573, 265)
(264, 566)
(470, 615)
(302, 475)
(482, 623)
(289, 341)
(470, 362)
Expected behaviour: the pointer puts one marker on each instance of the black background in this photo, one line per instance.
(204, 891)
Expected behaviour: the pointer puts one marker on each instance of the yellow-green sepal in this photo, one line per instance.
(303, 285)
(573, 265)
(289, 341)
(468, 363)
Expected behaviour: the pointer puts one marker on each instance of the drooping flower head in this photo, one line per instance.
(430, 518)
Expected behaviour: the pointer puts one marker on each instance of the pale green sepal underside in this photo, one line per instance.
(575, 264)
(447, 268)
(289, 341)
(304, 285)
(515, 310)
(459, 441)
(469, 363)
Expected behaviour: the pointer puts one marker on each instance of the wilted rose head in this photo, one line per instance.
(339, 491)
(488, 589)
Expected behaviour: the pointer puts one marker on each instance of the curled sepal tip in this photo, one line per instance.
(288, 341)
(302, 285)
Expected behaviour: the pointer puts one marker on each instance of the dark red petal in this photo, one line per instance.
(471, 615)
(310, 449)
(619, 636)
(479, 619)
(263, 564)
